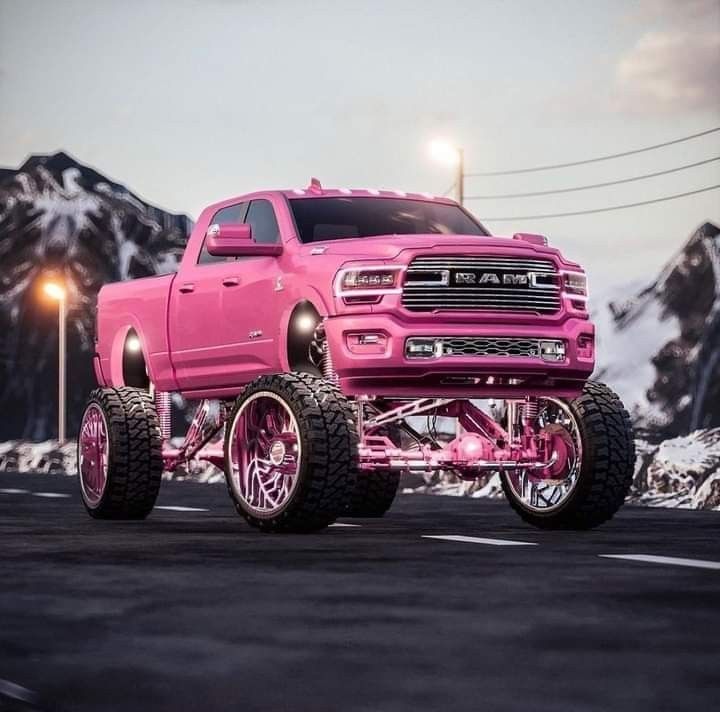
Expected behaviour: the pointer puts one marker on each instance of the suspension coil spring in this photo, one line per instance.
(328, 368)
(530, 410)
(162, 403)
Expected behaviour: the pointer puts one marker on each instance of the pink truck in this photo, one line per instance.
(336, 339)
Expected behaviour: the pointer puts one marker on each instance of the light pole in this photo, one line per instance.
(450, 154)
(57, 292)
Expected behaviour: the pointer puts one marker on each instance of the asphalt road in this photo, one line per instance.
(192, 610)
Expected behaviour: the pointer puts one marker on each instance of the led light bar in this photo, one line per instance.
(371, 280)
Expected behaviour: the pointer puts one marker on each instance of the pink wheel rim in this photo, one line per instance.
(264, 454)
(549, 489)
(93, 448)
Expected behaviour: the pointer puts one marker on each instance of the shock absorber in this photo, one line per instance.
(320, 354)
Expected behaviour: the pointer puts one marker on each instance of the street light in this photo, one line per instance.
(450, 154)
(57, 292)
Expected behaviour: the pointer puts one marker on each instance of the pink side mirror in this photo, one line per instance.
(236, 241)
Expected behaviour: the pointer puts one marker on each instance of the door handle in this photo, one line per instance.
(187, 288)
(231, 281)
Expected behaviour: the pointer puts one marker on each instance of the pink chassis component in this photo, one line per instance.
(481, 445)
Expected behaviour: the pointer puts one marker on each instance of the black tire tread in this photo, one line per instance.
(135, 462)
(607, 469)
(374, 493)
(330, 452)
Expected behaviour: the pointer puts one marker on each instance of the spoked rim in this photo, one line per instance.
(548, 490)
(264, 454)
(93, 455)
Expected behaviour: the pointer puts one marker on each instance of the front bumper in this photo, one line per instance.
(381, 367)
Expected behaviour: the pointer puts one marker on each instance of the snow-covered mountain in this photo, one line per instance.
(63, 219)
(659, 343)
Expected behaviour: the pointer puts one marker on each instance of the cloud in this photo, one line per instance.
(670, 72)
(688, 12)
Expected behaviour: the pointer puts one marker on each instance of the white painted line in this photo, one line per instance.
(480, 540)
(177, 508)
(14, 491)
(671, 560)
(13, 691)
(51, 495)
(342, 524)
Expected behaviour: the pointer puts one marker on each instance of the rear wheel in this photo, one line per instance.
(374, 493)
(291, 453)
(588, 483)
(119, 454)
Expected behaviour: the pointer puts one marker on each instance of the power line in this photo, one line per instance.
(450, 189)
(594, 185)
(604, 210)
(594, 160)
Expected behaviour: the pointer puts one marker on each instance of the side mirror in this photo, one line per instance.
(236, 241)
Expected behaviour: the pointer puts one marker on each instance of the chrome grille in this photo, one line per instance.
(481, 283)
(484, 346)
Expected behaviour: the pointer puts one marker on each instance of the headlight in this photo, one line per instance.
(373, 280)
(575, 284)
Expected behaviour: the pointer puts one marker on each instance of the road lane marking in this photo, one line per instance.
(671, 560)
(342, 524)
(18, 693)
(178, 508)
(14, 491)
(479, 540)
(51, 495)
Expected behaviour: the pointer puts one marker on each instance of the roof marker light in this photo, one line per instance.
(315, 186)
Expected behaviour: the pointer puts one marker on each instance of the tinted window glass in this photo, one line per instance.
(261, 218)
(338, 218)
(232, 215)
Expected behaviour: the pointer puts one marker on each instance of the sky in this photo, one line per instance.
(187, 102)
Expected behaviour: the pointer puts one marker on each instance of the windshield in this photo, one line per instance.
(338, 218)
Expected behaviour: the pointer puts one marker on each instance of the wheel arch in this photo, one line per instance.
(130, 366)
(298, 326)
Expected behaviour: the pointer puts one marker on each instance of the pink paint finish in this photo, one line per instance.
(215, 326)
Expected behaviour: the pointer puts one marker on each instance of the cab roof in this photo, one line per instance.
(316, 190)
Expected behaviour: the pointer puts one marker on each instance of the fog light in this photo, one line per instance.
(552, 350)
(369, 343)
(423, 348)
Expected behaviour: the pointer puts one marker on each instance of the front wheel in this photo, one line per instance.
(291, 453)
(594, 437)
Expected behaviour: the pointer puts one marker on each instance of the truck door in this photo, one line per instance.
(224, 312)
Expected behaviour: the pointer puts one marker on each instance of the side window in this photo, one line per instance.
(232, 215)
(261, 218)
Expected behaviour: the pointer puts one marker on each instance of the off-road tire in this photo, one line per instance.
(607, 468)
(329, 453)
(135, 462)
(374, 493)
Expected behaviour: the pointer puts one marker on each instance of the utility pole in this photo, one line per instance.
(460, 176)
(58, 293)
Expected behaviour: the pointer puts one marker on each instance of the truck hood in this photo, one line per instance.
(389, 247)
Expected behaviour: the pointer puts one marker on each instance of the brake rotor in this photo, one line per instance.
(560, 445)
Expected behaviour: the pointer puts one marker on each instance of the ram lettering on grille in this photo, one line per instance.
(481, 284)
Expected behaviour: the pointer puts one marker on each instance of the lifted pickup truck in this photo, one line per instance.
(325, 332)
